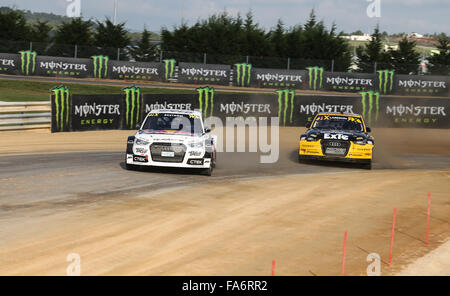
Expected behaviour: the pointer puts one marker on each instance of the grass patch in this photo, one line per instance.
(25, 90)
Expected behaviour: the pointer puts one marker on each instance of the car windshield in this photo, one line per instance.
(349, 123)
(173, 122)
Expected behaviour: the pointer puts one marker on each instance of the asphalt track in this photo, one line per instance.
(81, 176)
(46, 196)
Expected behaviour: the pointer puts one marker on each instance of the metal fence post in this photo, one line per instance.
(118, 54)
(289, 64)
(76, 51)
(332, 65)
(204, 58)
(31, 45)
(375, 68)
(160, 56)
(246, 61)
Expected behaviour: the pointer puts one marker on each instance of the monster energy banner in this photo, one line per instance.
(315, 78)
(135, 71)
(169, 69)
(61, 109)
(422, 85)
(276, 78)
(381, 111)
(242, 74)
(348, 82)
(9, 63)
(203, 73)
(127, 111)
(63, 67)
(27, 65)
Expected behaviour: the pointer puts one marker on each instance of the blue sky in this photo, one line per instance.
(423, 16)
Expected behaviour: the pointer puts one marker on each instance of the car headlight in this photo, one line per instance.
(141, 142)
(364, 142)
(302, 138)
(196, 144)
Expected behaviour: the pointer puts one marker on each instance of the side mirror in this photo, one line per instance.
(368, 129)
(138, 126)
(308, 124)
(207, 130)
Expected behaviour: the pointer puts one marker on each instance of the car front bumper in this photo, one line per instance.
(355, 153)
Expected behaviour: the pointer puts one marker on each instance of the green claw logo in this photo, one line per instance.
(286, 103)
(367, 98)
(28, 61)
(100, 66)
(385, 77)
(169, 68)
(243, 74)
(61, 96)
(133, 106)
(315, 75)
(206, 100)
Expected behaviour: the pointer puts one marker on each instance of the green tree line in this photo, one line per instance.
(225, 39)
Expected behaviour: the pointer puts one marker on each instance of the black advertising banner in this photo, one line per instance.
(61, 105)
(379, 110)
(315, 78)
(204, 73)
(422, 85)
(135, 70)
(127, 111)
(63, 67)
(278, 78)
(9, 63)
(97, 112)
(348, 82)
(242, 74)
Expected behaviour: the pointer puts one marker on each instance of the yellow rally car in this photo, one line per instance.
(337, 137)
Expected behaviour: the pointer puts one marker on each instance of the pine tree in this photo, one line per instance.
(439, 64)
(144, 51)
(76, 32)
(405, 60)
(110, 37)
(371, 53)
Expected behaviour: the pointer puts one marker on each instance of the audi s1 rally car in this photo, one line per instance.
(172, 138)
(337, 137)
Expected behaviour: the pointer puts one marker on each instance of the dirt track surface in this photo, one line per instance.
(235, 223)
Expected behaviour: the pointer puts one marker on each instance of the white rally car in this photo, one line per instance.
(172, 138)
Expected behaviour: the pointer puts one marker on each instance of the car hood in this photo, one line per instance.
(337, 134)
(167, 136)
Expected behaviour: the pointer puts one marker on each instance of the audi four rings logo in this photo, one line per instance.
(334, 144)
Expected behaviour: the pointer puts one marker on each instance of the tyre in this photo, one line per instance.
(208, 171)
(130, 167)
(367, 166)
(301, 159)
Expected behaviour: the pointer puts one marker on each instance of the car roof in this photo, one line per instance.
(177, 111)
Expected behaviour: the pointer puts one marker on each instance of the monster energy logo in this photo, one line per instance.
(315, 75)
(133, 105)
(61, 95)
(367, 98)
(286, 104)
(169, 66)
(206, 100)
(385, 77)
(100, 66)
(243, 72)
(28, 61)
